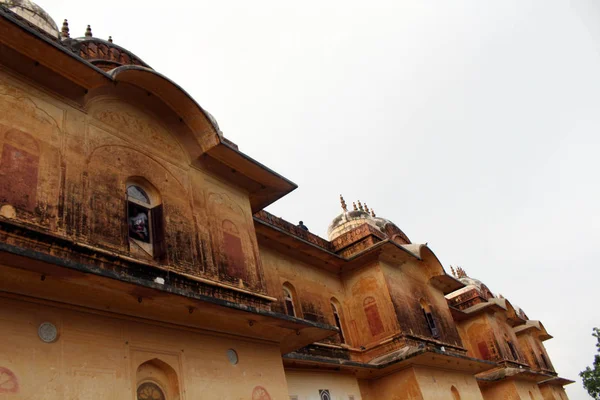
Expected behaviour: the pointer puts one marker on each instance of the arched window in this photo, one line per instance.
(150, 391)
(337, 318)
(429, 318)
(288, 299)
(145, 218)
(455, 394)
(156, 380)
(511, 347)
(373, 317)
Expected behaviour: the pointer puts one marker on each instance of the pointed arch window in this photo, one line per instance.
(288, 299)
(337, 318)
(429, 318)
(145, 223)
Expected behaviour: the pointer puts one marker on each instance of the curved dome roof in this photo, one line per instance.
(349, 220)
(33, 13)
(477, 284)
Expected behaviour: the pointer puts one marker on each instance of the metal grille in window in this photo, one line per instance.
(324, 394)
(150, 391)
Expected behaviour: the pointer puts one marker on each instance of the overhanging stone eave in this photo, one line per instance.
(420, 357)
(77, 276)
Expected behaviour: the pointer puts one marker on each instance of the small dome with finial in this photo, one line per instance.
(361, 214)
(33, 13)
(470, 283)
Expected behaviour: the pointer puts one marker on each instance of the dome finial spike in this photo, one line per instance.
(88, 31)
(360, 206)
(354, 205)
(110, 39)
(460, 273)
(453, 271)
(343, 203)
(64, 32)
(367, 209)
(373, 213)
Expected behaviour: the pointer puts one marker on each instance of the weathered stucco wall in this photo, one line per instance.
(553, 393)
(408, 283)
(97, 356)
(64, 169)
(512, 390)
(401, 385)
(306, 385)
(314, 287)
(371, 315)
(441, 384)
(479, 338)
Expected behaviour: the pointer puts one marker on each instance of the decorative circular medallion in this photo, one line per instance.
(150, 391)
(232, 356)
(48, 332)
(260, 393)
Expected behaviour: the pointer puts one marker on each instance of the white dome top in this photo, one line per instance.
(33, 13)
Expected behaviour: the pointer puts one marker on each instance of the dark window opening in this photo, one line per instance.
(324, 394)
(431, 324)
(545, 361)
(429, 318)
(289, 302)
(139, 222)
(338, 322)
(513, 351)
(145, 222)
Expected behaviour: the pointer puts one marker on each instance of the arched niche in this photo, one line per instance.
(455, 393)
(373, 317)
(156, 380)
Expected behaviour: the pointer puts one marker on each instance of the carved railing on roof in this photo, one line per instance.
(292, 229)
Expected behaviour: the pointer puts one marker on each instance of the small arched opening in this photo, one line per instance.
(145, 219)
(426, 308)
(337, 316)
(290, 300)
(156, 380)
(455, 393)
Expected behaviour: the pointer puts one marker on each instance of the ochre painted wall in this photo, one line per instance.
(401, 385)
(313, 287)
(371, 316)
(69, 165)
(97, 357)
(436, 384)
(512, 390)
(553, 393)
(306, 385)
(408, 283)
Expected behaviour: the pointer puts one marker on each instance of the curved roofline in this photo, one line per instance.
(180, 101)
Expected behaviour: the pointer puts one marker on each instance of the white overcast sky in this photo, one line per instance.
(473, 125)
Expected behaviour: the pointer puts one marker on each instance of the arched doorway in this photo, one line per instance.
(156, 380)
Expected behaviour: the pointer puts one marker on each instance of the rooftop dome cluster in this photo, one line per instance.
(359, 215)
(104, 54)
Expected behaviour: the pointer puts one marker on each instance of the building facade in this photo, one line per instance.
(137, 260)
